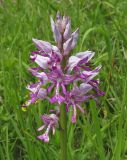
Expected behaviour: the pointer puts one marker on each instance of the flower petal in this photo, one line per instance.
(33, 87)
(57, 52)
(44, 137)
(72, 62)
(58, 16)
(85, 55)
(67, 32)
(42, 93)
(65, 22)
(42, 45)
(89, 75)
(85, 88)
(78, 59)
(56, 33)
(41, 128)
(67, 46)
(41, 60)
(41, 75)
(57, 98)
(75, 38)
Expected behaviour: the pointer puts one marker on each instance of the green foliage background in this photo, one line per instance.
(101, 134)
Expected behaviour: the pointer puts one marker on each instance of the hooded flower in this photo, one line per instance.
(50, 124)
(77, 96)
(79, 59)
(36, 93)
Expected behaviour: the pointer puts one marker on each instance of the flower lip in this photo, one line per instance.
(44, 137)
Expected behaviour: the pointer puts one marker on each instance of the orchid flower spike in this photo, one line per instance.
(56, 70)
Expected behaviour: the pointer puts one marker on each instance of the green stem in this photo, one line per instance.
(63, 132)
